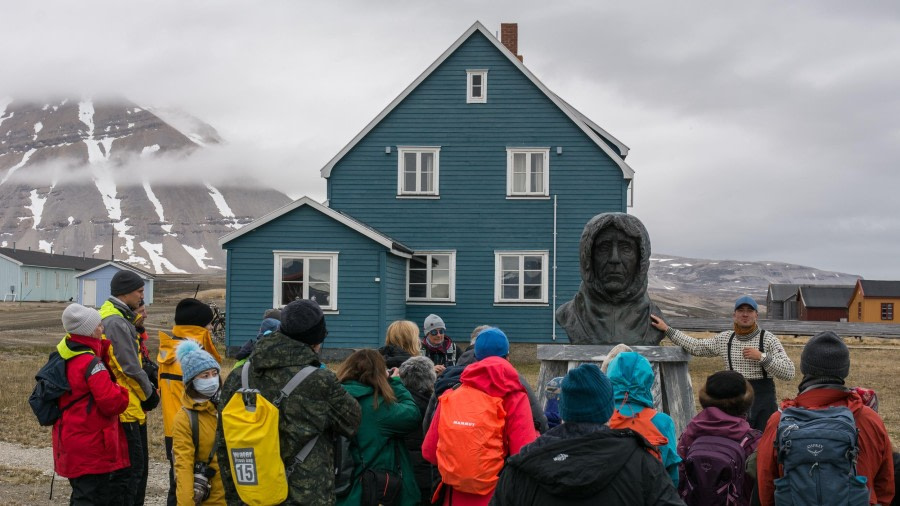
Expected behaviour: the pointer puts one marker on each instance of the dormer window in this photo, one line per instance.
(476, 86)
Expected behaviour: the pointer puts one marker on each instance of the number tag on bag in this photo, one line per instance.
(244, 466)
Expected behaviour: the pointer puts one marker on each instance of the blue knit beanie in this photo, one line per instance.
(193, 360)
(586, 395)
(491, 342)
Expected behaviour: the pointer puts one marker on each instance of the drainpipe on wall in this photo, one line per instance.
(553, 306)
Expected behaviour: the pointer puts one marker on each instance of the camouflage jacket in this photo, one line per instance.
(318, 406)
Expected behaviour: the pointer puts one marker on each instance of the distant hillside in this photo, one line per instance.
(161, 227)
(702, 287)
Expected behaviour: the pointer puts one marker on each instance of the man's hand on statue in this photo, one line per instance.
(752, 354)
(658, 323)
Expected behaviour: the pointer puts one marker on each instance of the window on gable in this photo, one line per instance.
(476, 86)
(528, 172)
(418, 171)
(887, 311)
(305, 275)
(431, 277)
(520, 276)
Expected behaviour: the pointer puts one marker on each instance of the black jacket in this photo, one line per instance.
(393, 355)
(585, 464)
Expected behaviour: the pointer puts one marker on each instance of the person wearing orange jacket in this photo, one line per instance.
(89, 445)
(192, 320)
(825, 364)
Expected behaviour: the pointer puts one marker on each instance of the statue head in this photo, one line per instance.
(615, 257)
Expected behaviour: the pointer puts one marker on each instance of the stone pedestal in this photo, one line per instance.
(672, 390)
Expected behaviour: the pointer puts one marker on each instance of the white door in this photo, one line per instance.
(89, 293)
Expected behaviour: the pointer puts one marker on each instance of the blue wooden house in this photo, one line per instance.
(27, 275)
(93, 284)
(465, 197)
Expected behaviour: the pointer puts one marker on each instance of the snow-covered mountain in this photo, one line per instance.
(68, 183)
(705, 288)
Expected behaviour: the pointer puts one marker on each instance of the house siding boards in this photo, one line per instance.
(866, 308)
(472, 214)
(358, 321)
(9, 277)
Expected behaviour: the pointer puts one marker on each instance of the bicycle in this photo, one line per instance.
(217, 324)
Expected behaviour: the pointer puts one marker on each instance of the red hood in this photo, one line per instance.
(494, 376)
(100, 347)
(826, 397)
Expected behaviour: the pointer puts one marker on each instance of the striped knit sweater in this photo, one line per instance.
(777, 363)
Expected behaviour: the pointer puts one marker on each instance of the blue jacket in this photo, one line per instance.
(631, 373)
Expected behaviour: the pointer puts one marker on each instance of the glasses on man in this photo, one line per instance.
(436, 332)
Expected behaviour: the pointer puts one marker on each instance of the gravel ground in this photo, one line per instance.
(33, 485)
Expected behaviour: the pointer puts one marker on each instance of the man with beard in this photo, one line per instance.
(612, 305)
(747, 349)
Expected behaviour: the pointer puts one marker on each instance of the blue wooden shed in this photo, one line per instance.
(93, 284)
(479, 181)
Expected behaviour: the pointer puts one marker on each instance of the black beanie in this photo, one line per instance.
(123, 282)
(193, 312)
(304, 321)
(825, 354)
(728, 391)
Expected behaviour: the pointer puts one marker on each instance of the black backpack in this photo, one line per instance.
(51, 384)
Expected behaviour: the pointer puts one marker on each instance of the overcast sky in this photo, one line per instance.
(761, 130)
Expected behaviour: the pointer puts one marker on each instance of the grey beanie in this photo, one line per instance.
(123, 282)
(79, 320)
(825, 354)
(432, 322)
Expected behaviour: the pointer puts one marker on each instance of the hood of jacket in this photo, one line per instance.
(168, 344)
(357, 390)
(712, 421)
(631, 374)
(114, 306)
(279, 350)
(448, 379)
(73, 345)
(824, 397)
(494, 376)
(580, 466)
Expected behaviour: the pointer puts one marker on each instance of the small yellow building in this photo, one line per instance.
(875, 302)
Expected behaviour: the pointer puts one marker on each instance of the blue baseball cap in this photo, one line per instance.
(748, 300)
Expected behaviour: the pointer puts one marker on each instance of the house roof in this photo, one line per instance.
(394, 246)
(782, 292)
(121, 265)
(50, 260)
(877, 288)
(594, 132)
(820, 296)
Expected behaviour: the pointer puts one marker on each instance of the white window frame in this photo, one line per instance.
(401, 156)
(510, 153)
(305, 256)
(498, 276)
(428, 297)
(470, 97)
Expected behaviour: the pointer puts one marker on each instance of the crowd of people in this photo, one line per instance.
(423, 421)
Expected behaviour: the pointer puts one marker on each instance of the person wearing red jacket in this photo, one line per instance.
(825, 363)
(495, 376)
(89, 445)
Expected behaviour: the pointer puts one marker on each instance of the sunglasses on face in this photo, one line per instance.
(436, 332)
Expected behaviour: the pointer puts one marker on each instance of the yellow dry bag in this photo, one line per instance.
(250, 425)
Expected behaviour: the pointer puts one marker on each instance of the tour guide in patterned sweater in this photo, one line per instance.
(757, 357)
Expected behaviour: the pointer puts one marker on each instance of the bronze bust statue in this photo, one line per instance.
(612, 305)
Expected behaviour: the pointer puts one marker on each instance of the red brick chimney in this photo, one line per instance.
(509, 36)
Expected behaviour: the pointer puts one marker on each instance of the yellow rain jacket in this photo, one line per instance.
(171, 387)
(184, 454)
(125, 358)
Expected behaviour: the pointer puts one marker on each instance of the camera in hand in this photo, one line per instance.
(202, 474)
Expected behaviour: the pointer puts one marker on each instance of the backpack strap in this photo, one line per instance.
(286, 391)
(195, 436)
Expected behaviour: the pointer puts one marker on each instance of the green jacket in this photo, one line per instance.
(318, 406)
(383, 429)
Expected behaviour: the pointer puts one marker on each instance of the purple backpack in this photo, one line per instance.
(714, 471)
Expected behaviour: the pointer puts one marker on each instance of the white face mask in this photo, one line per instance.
(206, 387)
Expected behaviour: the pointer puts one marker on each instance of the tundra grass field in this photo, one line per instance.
(28, 332)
